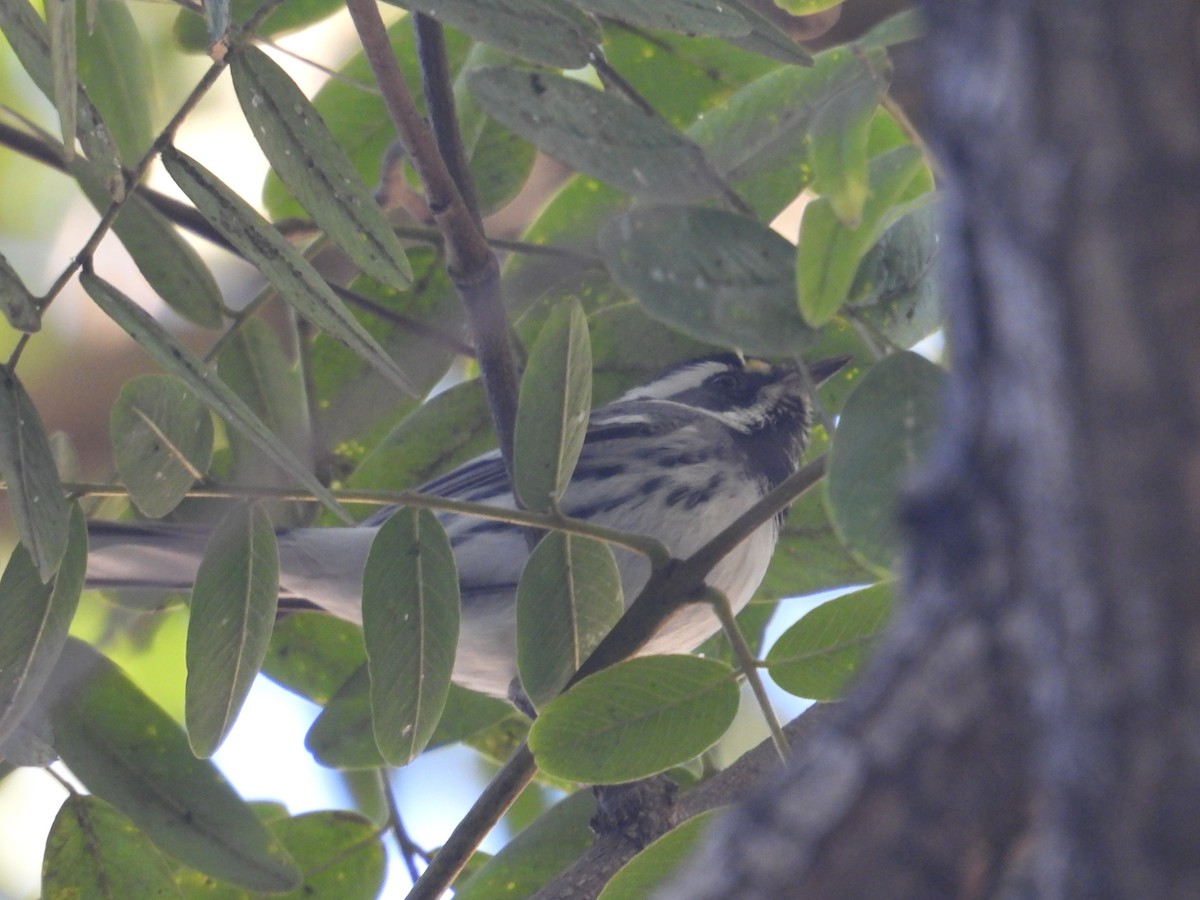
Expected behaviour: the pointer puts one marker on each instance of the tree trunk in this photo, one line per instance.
(1033, 720)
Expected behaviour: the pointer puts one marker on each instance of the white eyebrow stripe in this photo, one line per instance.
(676, 382)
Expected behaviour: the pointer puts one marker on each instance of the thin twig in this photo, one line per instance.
(650, 547)
(749, 666)
(472, 265)
(409, 849)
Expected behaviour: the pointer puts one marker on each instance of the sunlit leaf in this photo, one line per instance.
(635, 719)
(126, 750)
(829, 252)
(817, 655)
(94, 851)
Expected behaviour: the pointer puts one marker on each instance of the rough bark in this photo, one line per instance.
(1034, 712)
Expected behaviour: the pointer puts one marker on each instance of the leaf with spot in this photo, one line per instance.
(280, 263)
(162, 438)
(94, 851)
(101, 722)
(410, 626)
(886, 427)
(169, 353)
(716, 276)
(233, 612)
(306, 156)
(596, 132)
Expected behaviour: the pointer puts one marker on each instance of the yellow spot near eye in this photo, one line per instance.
(758, 366)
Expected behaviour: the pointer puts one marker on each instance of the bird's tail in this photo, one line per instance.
(134, 556)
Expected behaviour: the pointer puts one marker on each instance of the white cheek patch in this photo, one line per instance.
(677, 382)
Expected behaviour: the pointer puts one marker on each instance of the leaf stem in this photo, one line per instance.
(749, 666)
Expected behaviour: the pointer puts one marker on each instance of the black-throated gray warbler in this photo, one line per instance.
(678, 459)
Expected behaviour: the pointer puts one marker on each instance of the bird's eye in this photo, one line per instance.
(724, 381)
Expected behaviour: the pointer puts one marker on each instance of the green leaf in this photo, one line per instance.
(906, 25)
(596, 132)
(254, 365)
(126, 750)
(652, 867)
(767, 39)
(467, 713)
(636, 719)
(885, 428)
(313, 654)
(169, 353)
(549, 32)
(37, 618)
(35, 494)
(450, 428)
(343, 735)
(115, 68)
(19, 306)
(170, 265)
(816, 656)
(568, 599)
(192, 30)
(716, 276)
(94, 851)
(60, 23)
(692, 17)
(410, 625)
(896, 289)
(305, 155)
(233, 611)
(162, 438)
(340, 853)
(829, 253)
(30, 39)
(838, 151)
(552, 412)
(536, 854)
(281, 263)
(805, 7)
(758, 139)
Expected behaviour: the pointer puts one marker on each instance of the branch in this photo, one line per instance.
(470, 262)
(588, 875)
(670, 587)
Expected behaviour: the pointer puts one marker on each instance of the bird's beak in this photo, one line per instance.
(823, 369)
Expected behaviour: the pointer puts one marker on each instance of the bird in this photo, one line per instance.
(677, 459)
